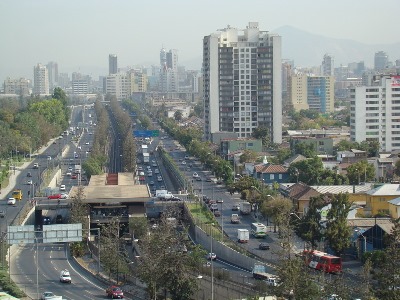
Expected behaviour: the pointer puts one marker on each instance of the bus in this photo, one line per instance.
(259, 230)
(323, 261)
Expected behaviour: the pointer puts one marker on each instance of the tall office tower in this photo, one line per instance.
(168, 71)
(40, 80)
(381, 60)
(112, 64)
(242, 80)
(374, 113)
(64, 81)
(287, 67)
(327, 65)
(321, 93)
(52, 69)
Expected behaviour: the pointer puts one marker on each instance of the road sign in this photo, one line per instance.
(146, 133)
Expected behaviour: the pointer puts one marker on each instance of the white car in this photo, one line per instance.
(47, 296)
(64, 196)
(68, 173)
(62, 187)
(29, 182)
(87, 143)
(11, 201)
(211, 256)
(183, 162)
(65, 276)
(195, 175)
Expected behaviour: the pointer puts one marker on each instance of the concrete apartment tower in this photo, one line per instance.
(168, 71)
(375, 113)
(381, 61)
(328, 66)
(40, 80)
(52, 70)
(112, 64)
(242, 82)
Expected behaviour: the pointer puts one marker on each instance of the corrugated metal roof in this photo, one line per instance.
(388, 189)
(368, 222)
(337, 189)
(395, 201)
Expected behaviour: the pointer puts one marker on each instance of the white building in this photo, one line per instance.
(242, 82)
(327, 67)
(375, 113)
(168, 71)
(40, 80)
(21, 86)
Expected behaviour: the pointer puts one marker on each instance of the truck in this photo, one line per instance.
(145, 149)
(77, 169)
(245, 208)
(235, 219)
(146, 158)
(243, 235)
(260, 272)
(164, 194)
(17, 194)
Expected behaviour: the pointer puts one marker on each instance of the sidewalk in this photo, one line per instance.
(12, 179)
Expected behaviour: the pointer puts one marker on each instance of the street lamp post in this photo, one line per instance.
(212, 266)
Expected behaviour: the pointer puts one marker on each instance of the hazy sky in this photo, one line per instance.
(79, 34)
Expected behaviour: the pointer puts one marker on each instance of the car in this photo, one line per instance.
(68, 173)
(211, 256)
(156, 171)
(73, 176)
(54, 196)
(59, 219)
(154, 164)
(219, 181)
(208, 179)
(47, 296)
(29, 174)
(29, 182)
(54, 142)
(141, 173)
(183, 162)
(198, 178)
(186, 156)
(62, 187)
(149, 174)
(11, 201)
(220, 200)
(79, 147)
(87, 143)
(217, 213)
(48, 157)
(195, 175)
(263, 246)
(76, 156)
(213, 207)
(65, 276)
(140, 168)
(151, 182)
(159, 178)
(36, 166)
(162, 187)
(64, 196)
(235, 207)
(2, 213)
(115, 292)
(46, 220)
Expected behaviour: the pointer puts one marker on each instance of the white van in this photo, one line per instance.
(65, 276)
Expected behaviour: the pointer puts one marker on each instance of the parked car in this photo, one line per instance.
(114, 292)
(74, 176)
(2, 213)
(64, 196)
(55, 196)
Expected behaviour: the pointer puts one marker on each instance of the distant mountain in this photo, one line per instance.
(307, 49)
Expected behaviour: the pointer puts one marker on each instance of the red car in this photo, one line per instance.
(115, 292)
(74, 176)
(55, 196)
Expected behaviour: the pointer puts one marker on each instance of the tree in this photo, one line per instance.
(388, 272)
(305, 149)
(178, 115)
(360, 171)
(163, 264)
(308, 171)
(277, 208)
(248, 156)
(262, 133)
(310, 228)
(338, 233)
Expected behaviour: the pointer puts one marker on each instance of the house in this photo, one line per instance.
(351, 156)
(376, 235)
(394, 208)
(293, 159)
(269, 173)
(379, 197)
(300, 194)
(232, 145)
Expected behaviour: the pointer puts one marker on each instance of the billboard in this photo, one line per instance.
(146, 133)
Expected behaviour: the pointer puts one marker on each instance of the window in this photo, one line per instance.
(271, 176)
(280, 176)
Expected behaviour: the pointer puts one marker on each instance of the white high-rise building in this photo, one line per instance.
(375, 113)
(40, 80)
(168, 71)
(242, 82)
(52, 70)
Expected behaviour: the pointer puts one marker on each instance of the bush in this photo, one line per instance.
(10, 287)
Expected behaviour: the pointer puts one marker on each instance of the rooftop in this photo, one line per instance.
(388, 189)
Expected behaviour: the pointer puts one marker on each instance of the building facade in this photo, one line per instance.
(312, 92)
(40, 80)
(52, 69)
(21, 86)
(375, 113)
(328, 66)
(112, 64)
(168, 81)
(242, 82)
(381, 60)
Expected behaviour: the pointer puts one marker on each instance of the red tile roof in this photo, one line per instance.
(270, 169)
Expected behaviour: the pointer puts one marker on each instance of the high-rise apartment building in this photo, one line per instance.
(21, 86)
(242, 79)
(52, 69)
(40, 80)
(168, 71)
(327, 66)
(375, 113)
(381, 61)
(112, 64)
(122, 85)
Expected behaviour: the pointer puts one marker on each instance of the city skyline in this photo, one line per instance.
(79, 36)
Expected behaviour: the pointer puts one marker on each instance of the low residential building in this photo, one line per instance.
(351, 156)
(294, 159)
(394, 208)
(269, 173)
(232, 145)
(322, 145)
(300, 194)
(379, 197)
